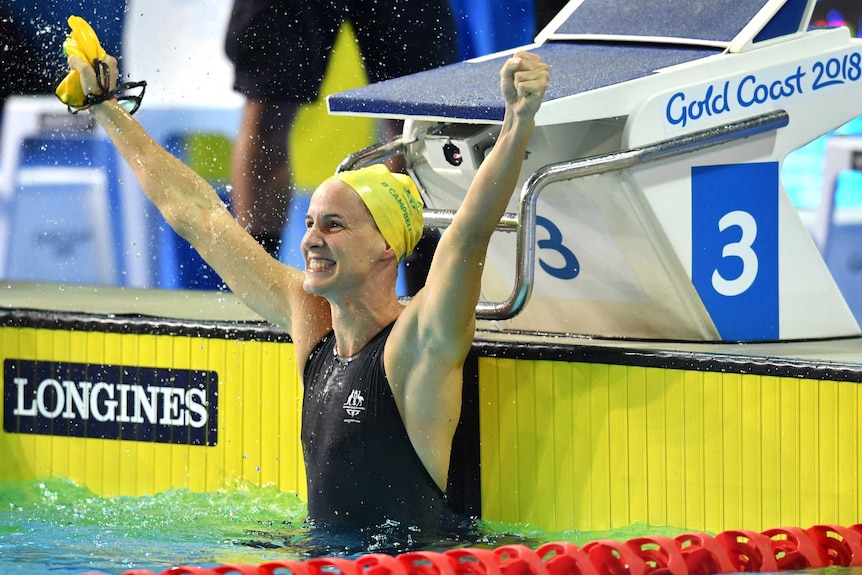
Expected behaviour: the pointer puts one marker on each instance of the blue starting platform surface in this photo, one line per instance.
(719, 21)
(590, 45)
(471, 90)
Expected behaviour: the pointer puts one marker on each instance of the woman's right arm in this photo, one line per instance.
(193, 209)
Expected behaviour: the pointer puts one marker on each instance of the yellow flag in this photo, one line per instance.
(83, 43)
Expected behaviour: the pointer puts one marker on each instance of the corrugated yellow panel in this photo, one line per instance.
(489, 432)
(291, 467)
(509, 441)
(619, 444)
(638, 482)
(847, 449)
(731, 429)
(751, 409)
(11, 459)
(714, 448)
(252, 379)
(770, 440)
(561, 438)
(579, 386)
(696, 450)
(694, 444)
(675, 440)
(543, 429)
(809, 452)
(656, 435)
(270, 383)
(828, 450)
(599, 461)
(789, 483)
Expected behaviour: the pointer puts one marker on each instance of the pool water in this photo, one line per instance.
(53, 526)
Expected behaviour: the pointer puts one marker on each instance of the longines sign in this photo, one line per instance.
(110, 402)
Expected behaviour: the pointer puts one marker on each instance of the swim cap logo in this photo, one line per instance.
(399, 200)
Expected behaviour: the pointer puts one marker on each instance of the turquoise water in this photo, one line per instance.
(55, 527)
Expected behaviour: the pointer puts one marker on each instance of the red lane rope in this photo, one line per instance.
(778, 549)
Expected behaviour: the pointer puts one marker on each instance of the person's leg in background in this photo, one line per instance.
(280, 50)
(260, 168)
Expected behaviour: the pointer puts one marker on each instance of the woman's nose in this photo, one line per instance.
(311, 238)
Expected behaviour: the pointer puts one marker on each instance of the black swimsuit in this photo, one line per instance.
(361, 467)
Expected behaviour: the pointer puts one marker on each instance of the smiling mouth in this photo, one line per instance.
(318, 265)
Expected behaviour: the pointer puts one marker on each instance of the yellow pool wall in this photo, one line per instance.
(564, 445)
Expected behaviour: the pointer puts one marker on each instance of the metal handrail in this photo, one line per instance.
(524, 222)
(374, 153)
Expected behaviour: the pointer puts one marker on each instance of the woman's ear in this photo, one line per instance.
(389, 251)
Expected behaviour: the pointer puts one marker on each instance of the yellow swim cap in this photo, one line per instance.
(83, 43)
(394, 203)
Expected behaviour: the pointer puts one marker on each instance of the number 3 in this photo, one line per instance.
(742, 250)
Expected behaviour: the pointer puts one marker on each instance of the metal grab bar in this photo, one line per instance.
(524, 222)
(374, 153)
(525, 252)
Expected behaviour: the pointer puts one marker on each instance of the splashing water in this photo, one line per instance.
(55, 526)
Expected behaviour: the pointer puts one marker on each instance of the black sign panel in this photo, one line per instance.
(110, 402)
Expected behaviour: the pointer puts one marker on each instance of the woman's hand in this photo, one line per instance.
(98, 77)
(523, 81)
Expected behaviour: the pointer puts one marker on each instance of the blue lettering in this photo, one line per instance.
(720, 104)
(674, 119)
(679, 113)
(743, 101)
(797, 78)
(752, 92)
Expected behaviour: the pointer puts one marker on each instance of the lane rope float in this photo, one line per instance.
(732, 551)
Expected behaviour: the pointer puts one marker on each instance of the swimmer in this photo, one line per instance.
(382, 380)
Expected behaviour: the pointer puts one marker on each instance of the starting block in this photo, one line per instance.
(650, 201)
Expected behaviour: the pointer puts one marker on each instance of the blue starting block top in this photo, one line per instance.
(599, 44)
(471, 90)
(713, 21)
